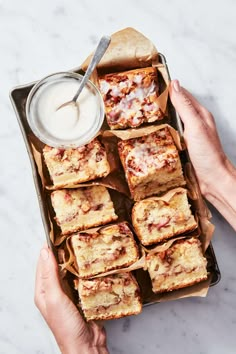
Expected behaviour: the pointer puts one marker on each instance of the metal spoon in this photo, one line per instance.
(99, 52)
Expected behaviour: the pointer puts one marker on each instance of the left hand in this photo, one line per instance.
(71, 332)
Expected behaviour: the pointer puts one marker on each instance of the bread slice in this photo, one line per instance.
(82, 208)
(151, 164)
(111, 247)
(155, 220)
(113, 296)
(130, 98)
(73, 166)
(183, 264)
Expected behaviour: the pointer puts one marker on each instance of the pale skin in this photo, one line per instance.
(216, 174)
(217, 180)
(72, 334)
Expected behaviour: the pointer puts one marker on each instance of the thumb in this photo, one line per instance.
(48, 269)
(186, 106)
(47, 283)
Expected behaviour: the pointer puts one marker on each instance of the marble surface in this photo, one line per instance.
(41, 37)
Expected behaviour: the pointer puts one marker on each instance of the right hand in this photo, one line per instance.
(200, 134)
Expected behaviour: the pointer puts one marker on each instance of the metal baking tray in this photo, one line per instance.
(18, 96)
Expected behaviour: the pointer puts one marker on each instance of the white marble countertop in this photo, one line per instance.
(41, 37)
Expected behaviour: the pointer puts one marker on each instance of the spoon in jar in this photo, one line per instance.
(99, 52)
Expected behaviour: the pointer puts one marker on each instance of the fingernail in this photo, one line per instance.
(44, 254)
(176, 85)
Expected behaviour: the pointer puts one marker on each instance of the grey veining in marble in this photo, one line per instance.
(41, 37)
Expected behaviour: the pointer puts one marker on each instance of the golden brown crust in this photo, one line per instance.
(151, 164)
(68, 167)
(110, 297)
(196, 281)
(163, 238)
(179, 266)
(86, 227)
(155, 219)
(82, 208)
(113, 247)
(113, 317)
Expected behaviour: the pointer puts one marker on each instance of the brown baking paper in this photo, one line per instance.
(114, 180)
(201, 209)
(130, 49)
(69, 262)
(206, 232)
(121, 205)
(162, 247)
(200, 289)
(116, 177)
(71, 266)
(165, 197)
(139, 132)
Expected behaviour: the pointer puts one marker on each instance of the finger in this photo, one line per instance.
(183, 104)
(189, 109)
(99, 333)
(203, 112)
(47, 284)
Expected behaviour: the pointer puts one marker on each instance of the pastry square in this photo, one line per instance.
(109, 297)
(151, 164)
(111, 247)
(183, 264)
(82, 208)
(73, 166)
(131, 98)
(155, 220)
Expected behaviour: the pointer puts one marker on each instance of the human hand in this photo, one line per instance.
(71, 332)
(216, 174)
(201, 137)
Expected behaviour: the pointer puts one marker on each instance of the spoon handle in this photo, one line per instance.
(99, 52)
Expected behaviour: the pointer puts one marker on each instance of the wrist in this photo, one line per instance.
(222, 183)
(77, 348)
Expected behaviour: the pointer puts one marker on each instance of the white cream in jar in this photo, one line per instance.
(72, 125)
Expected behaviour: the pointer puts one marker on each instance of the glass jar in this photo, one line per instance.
(70, 126)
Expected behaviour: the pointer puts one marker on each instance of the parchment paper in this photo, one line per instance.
(129, 49)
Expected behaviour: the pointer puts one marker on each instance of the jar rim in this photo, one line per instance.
(64, 143)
